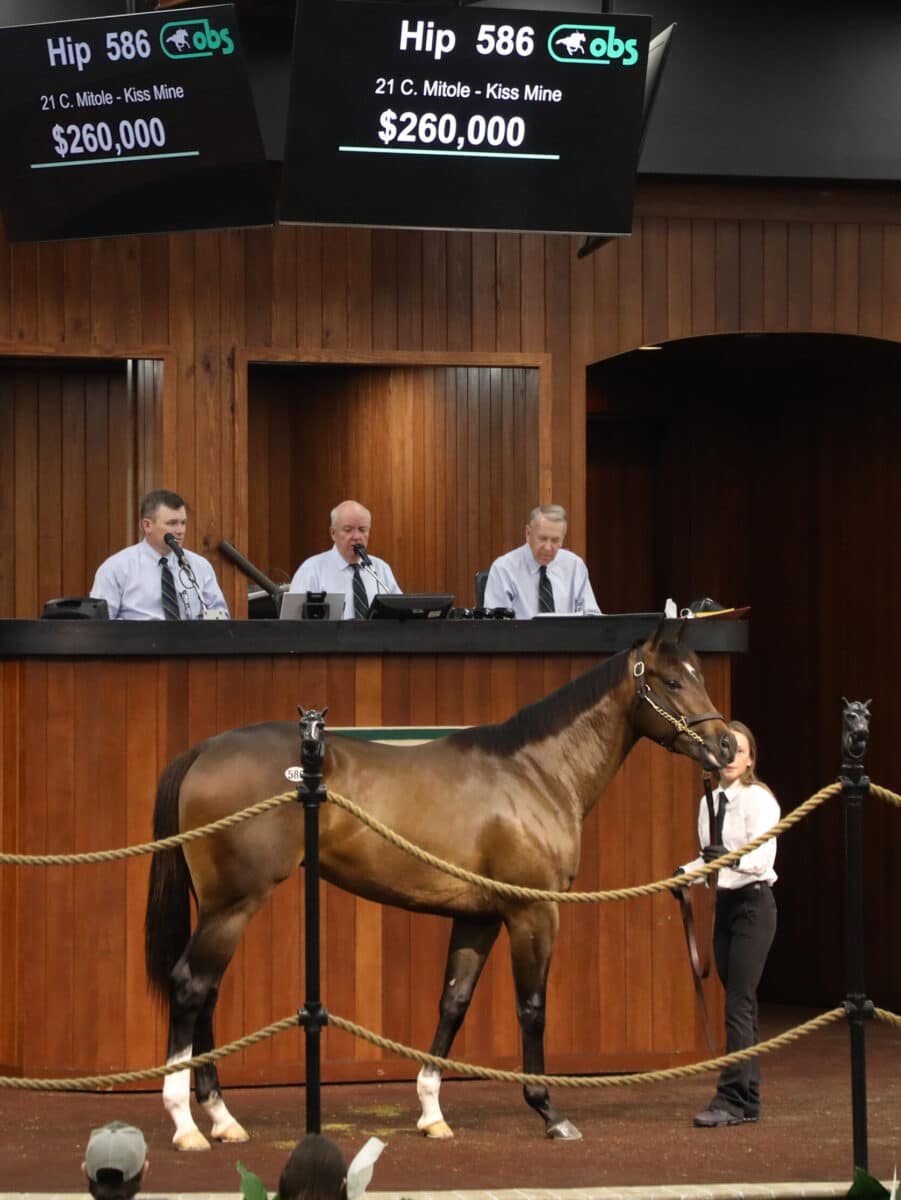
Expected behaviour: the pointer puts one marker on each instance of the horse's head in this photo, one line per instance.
(855, 728)
(672, 706)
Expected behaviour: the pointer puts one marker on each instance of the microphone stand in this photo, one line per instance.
(366, 563)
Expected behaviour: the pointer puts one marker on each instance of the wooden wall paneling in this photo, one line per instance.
(871, 280)
(605, 270)
(385, 289)
(750, 279)
(508, 296)
(51, 293)
(459, 291)
(97, 922)
(532, 273)
(8, 491)
(822, 276)
(6, 300)
(260, 247)
(654, 280)
(24, 259)
(891, 288)
(359, 289)
(484, 289)
(75, 570)
(847, 277)
(582, 319)
(285, 291)
(727, 250)
(703, 279)
(434, 290)
(799, 268)
(606, 825)
(77, 293)
(146, 1042)
(153, 255)
(638, 963)
(33, 969)
(334, 288)
(179, 455)
(104, 291)
(27, 450)
(775, 276)
(233, 427)
(411, 273)
(555, 480)
(678, 279)
(210, 396)
(309, 289)
(631, 299)
(128, 304)
(10, 878)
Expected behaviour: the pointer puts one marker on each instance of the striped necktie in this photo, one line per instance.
(170, 596)
(361, 600)
(545, 592)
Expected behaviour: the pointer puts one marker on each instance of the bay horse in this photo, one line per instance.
(506, 801)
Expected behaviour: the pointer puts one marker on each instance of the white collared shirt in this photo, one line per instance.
(750, 811)
(129, 582)
(329, 572)
(513, 583)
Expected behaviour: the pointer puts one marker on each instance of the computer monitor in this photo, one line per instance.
(411, 606)
(312, 606)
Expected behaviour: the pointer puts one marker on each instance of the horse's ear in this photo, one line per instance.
(677, 636)
(655, 640)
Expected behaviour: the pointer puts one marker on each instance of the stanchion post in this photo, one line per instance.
(855, 786)
(313, 1015)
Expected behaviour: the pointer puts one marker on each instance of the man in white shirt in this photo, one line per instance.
(156, 581)
(342, 568)
(540, 576)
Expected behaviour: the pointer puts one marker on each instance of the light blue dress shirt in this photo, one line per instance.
(513, 583)
(329, 572)
(129, 582)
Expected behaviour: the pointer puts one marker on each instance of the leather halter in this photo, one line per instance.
(681, 724)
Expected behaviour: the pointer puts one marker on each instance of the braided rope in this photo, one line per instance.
(514, 891)
(886, 794)
(177, 839)
(455, 1066)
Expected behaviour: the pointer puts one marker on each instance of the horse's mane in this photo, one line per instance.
(548, 716)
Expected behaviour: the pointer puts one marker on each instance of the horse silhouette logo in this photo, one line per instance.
(574, 42)
(179, 40)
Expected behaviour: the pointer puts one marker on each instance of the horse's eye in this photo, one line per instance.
(673, 684)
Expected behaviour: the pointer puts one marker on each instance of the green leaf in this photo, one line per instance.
(252, 1186)
(865, 1187)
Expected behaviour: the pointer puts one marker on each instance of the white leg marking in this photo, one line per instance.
(225, 1127)
(177, 1099)
(428, 1085)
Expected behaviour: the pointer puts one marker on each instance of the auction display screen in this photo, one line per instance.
(131, 124)
(422, 116)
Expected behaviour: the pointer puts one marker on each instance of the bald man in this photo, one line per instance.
(342, 569)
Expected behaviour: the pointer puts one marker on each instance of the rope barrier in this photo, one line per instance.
(177, 839)
(90, 1082)
(517, 892)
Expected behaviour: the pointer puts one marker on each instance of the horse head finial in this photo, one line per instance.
(312, 730)
(855, 728)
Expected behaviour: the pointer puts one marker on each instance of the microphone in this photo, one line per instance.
(174, 544)
(360, 551)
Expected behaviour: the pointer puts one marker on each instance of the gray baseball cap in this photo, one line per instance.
(115, 1147)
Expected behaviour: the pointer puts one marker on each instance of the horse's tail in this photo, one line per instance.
(167, 921)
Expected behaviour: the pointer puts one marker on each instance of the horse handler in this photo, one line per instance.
(745, 921)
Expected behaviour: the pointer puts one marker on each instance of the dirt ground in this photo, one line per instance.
(632, 1136)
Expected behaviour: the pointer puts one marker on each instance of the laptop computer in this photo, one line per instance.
(293, 604)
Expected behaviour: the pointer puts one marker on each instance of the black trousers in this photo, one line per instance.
(743, 932)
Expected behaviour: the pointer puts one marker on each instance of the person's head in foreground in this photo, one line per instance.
(115, 1161)
(316, 1170)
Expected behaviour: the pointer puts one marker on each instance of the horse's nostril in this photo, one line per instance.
(728, 746)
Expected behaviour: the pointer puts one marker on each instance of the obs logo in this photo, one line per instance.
(194, 39)
(591, 44)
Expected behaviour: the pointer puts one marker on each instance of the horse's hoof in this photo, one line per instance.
(233, 1132)
(564, 1131)
(440, 1129)
(193, 1139)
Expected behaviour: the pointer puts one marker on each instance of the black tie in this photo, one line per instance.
(545, 592)
(361, 600)
(170, 597)
(720, 815)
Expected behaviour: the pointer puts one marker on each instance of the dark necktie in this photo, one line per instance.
(720, 816)
(545, 592)
(361, 600)
(170, 596)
